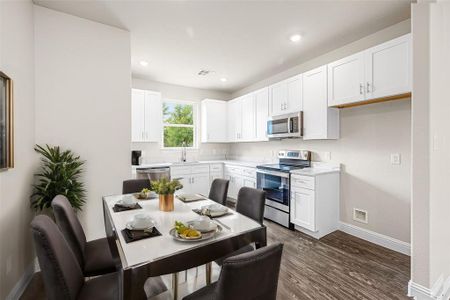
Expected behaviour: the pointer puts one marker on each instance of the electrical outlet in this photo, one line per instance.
(360, 215)
(327, 155)
(395, 158)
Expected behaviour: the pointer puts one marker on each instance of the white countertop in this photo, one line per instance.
(315, 171)
(229, 162)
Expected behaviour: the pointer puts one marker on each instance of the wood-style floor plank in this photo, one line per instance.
(339, 266)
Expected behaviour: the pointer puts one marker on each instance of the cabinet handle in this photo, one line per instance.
(361, 88)
(368, 87)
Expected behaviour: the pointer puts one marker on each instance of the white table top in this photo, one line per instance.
(155, 248)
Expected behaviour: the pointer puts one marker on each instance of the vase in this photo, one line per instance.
(166, 202)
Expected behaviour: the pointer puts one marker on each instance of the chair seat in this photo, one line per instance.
(205, 293)
(98, 258)
(105, 287)
(245, 249)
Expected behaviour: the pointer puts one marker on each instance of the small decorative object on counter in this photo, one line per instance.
(166, 188)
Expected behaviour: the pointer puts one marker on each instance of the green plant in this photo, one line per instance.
(165, 186)
(59, 175)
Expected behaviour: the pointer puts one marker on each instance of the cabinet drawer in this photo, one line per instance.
(200, 169)
(233, 170)
(216, 168)
(249, 172)
(300, 181)
(180, 171)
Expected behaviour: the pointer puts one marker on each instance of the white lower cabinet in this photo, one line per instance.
(315, 203)
(195, 178)
(239, 177)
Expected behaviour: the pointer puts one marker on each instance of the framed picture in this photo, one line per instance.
(6, 122)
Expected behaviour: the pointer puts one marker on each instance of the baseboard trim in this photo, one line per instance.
(376, 238)
(23, 282)
(419, 292)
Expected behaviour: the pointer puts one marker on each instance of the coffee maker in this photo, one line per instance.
(136, 157)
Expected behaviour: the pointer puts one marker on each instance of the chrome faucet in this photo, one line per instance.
(183, 152)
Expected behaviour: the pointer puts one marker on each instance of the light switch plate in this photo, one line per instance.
(327, 155)
(395, 158)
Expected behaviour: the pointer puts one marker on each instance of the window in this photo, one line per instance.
(178, 124)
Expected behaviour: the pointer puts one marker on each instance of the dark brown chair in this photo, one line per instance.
(219, 191)
(250, 203)
(135, 185)
(252, 275)
(94, 257)
(63, 277)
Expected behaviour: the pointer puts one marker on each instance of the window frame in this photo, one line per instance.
(194, 123)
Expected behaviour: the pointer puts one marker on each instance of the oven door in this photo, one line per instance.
(276, 186)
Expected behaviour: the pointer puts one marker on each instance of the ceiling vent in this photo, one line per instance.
(204, 72)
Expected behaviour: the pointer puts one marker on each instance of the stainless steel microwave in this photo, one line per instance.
(285, 126)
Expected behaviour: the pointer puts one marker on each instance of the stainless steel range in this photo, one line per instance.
(275, 179)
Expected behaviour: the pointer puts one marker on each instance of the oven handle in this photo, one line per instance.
(274, 173)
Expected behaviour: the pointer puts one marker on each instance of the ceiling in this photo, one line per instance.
(243, 41)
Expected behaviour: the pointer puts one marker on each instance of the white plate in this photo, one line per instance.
(205, 236)
(215, 208)
(195, 224)
(121, 203)
(131, 226)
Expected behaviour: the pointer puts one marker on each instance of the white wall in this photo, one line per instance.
(17, 61)
(369, 134)
(152, 152)
(83, 92)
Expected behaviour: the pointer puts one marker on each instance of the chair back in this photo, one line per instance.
(252, 275)
(70, 226)
(135, 185)
(63, 278)
(219, 191)
(251, 203)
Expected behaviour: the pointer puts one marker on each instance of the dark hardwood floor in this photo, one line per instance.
(339, 266)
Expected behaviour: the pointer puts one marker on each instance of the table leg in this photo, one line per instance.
(175, 286)
(208, 268)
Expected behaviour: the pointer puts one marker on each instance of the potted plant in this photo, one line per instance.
(166, 188)
(59, 175)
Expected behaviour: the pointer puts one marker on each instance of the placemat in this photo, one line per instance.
(136, 235)
(119, 208)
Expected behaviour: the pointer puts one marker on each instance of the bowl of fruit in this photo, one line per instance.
(145, 194)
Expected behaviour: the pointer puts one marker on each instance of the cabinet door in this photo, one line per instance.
(234, 120)
(346, 80)
(388, 68)
(303, 208)
(277, 96)
(200, 184)
(262, 113)
(238, 183)
(137, 115)
(153, 117)
(320, 122)
(185, 180)
(294, 94)
(249, 182)
(248, 117)
(214, 116)
(231, 187)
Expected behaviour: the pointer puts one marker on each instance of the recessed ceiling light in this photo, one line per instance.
(295, 38)
(223, 79)
(143, 63)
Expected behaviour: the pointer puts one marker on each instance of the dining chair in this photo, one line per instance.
(251, 203)
(251, 275)
(219, 190)
(135, 185)
(94, 257)
(63, 277)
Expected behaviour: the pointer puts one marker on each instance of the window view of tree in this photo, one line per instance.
(178, 125)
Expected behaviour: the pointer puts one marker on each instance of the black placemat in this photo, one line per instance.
(199, 212)
(136, 235)
(187, 201)
(119, 208)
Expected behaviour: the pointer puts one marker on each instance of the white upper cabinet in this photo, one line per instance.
(286, 96)
(214, 118)
(248, 117)
(234, 120)
(319, 121)
(379, 72)
(262, 113)
(146, 116)
(346, 80)
(388, 68)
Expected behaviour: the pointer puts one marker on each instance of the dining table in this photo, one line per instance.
(163, 254)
